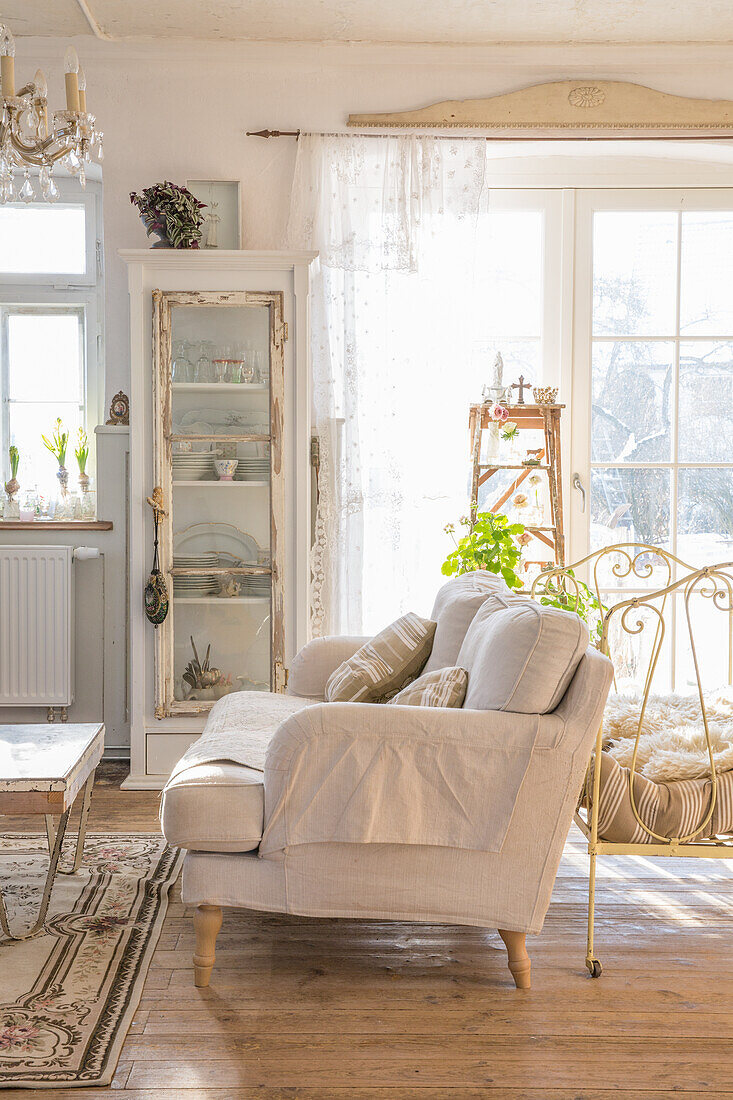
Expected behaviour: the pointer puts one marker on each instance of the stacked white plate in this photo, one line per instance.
(193, 467)
(255, 585)
(253, 469)
(196, 585)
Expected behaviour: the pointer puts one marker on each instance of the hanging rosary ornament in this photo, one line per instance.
(156, 592)
(29, 142)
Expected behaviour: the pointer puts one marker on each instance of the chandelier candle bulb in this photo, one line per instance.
(71, 69)
(41, 85)
(7, 61)
(82, 91)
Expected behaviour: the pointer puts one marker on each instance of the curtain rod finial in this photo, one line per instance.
(273, 133)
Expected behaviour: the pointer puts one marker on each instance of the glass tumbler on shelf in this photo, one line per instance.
(235, 368)
(204, 366)
(182, 367)
(260, 369)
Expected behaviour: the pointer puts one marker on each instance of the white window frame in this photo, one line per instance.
(64, 292)
(589, 202)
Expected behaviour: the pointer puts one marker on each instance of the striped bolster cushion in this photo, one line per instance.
(671, 809)
(446, 687)
(385, 664)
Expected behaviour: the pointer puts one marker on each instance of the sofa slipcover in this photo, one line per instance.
(401, 812)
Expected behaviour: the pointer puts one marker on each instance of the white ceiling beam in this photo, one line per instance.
(94, 26)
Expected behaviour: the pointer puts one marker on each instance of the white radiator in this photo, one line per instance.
(36, 626)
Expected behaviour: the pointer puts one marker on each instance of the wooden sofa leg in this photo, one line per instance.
(206, 924)
(519, 961)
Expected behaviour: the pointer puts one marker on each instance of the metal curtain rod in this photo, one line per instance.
(403, 132)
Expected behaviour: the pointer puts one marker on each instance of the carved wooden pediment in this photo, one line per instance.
(567, 108)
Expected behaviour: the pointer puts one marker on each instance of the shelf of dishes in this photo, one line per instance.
(222, 596)
(220, 387)
(209, 363)
(191, 428)
(212, 466)
(216, 561)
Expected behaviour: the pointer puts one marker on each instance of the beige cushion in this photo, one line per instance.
(446, 687)
(521, 656)
(216, 807)
(385, 664)
(672, 809)
(455, 606)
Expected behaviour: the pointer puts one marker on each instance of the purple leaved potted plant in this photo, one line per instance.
(170, 213)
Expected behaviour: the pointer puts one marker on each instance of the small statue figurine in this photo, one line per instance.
(211, 221)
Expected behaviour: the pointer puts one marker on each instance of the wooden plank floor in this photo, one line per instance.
(367, 1010)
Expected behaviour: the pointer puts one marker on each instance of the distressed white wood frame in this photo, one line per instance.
(156, 744)
(166, 705)
(563, 109)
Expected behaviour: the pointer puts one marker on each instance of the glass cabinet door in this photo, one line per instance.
(218, 367)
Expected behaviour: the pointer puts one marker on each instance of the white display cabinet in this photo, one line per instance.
(220, 423)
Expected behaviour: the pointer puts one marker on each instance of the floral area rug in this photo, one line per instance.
(67, 996)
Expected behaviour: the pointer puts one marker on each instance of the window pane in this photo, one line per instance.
(634, 270)
(519, 356)
(710, 632)
(631, 652)
(45, 357)
(705, 516)
(707, 273)
(629, 506)
(511, 291)
(37, 466)
(706, 402)
(633, 383)
(42, 240)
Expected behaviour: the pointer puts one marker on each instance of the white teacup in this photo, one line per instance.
(225, 468)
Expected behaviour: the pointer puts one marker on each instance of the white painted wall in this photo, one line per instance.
(180, 110)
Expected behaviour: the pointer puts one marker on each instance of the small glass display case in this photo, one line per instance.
(218, 408)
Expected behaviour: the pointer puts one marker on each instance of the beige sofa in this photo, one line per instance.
(291, 804)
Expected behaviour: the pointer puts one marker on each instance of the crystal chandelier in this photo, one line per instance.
(26, 139)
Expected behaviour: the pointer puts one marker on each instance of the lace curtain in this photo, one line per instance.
(396, 221)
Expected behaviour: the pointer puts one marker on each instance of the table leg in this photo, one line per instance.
(55, 853)
(81, 835)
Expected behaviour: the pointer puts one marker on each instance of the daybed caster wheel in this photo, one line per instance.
(594, 968)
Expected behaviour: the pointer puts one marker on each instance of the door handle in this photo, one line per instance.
(578, 484)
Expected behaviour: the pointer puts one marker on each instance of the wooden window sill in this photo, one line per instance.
(56, 525)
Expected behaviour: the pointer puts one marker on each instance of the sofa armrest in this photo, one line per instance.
(312, 666)
(371, 773)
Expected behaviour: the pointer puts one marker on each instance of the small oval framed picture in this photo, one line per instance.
(222, 217)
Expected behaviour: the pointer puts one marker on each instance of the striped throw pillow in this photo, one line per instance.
(385, 664)
(445, 687)
(673, 809)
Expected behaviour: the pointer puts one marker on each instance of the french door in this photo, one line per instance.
(652, 392)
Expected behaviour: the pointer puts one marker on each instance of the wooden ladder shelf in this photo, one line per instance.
(545, 418)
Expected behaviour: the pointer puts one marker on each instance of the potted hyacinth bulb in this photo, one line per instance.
(57, 445)
(12, 486)
(81, 451)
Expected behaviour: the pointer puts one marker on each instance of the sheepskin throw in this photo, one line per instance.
(672, 744)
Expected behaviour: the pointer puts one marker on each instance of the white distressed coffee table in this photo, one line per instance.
(42, 770)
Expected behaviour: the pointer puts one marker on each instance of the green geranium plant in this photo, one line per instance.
(172, 212)
(573, 596)
(489, 543)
